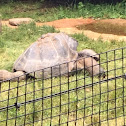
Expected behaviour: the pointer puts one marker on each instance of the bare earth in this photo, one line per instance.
(70, 26)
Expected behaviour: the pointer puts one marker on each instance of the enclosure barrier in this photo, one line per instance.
(76, 99)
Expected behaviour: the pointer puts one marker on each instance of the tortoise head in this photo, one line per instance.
(89, 53)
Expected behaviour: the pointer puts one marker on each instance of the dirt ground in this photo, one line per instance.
(70, 26)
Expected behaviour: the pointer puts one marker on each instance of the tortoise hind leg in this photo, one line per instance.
(6, 75)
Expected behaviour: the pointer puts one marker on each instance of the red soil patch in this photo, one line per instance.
(114, 21)
(108, 26)
(67, 23)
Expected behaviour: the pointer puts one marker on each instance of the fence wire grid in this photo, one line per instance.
(70, 100)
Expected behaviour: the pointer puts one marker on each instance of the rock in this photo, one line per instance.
(19, 21)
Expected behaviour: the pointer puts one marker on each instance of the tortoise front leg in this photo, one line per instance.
(6, 75)
(91, 65)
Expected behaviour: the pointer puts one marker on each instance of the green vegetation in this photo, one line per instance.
(13, 42)
(45, 12)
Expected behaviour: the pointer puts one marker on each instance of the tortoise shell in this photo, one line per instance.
(49, 50)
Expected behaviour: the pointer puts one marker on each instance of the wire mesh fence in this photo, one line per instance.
(68, 99)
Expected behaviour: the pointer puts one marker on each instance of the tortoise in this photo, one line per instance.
(55, 54)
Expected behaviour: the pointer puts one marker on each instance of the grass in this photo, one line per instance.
(17, 40)
(43, 12)
(13, 42)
